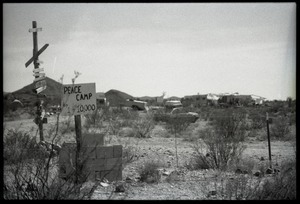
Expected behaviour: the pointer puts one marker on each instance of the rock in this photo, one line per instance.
(207, 155)
(166, 173)
(269, 171)
(120, 188)
(238, 171)
(128, 179)
(257, 173)
(173, 176)
(276, 170)
(213, 193)
(262, 159)
(104, 184)
(245, 172)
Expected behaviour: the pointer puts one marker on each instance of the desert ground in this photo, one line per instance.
(175, 182)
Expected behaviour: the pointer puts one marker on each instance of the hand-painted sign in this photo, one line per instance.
(39, 78)
(40, 89)
(40, 84)
(78, 99)
(36, 70)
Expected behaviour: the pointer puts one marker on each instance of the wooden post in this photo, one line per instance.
(78, 146)
(269, 143)
(36, 66)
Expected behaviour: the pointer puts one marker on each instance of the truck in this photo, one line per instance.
(136, 104)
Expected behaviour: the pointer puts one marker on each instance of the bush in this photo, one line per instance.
(20, 146)
(280, 127)
(143, 126)
(223, 140)
(281, 187)
(31, 171)
(149, 172)
(258, 120)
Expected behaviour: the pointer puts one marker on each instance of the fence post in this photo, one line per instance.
(269, 143)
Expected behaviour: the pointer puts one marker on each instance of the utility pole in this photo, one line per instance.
(39, 82)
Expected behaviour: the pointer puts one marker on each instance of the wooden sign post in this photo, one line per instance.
(40, 83)
(78, 99)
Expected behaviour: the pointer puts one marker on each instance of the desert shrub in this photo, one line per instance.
(95, 119)
(129, 155)
(130, 151)
(31, 170)
(199, 162)
(223, 141)
(119, 118)
(143, 126)
(19, 146)
(281, 187)
(292, 118)
(67, 126)
(258, 120)
(149, 172)
(279, 129)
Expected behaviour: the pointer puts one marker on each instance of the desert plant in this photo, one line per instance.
(223, 140)
(280, 127)
(130, 152)
(149, 171)
(143, 126)
(176, 125)
(258, 120)
(33, 171)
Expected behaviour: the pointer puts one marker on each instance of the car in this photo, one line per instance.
(178, 114)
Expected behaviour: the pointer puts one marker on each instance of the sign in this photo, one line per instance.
(34, 30)
(36, 55)
(40, 89)
(78, 99)
(39, 74)
(38, 70)
(40, 84)
(39, 79)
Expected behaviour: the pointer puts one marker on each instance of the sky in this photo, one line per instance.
(145, 49)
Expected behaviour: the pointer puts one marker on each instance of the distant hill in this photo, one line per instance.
(173, 98)
(28, 98)
(116, 97)
(147, 98)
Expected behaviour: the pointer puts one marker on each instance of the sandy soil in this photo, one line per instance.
(189, 184)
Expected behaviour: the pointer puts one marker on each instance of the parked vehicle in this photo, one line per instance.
(177, 113)
(136, 105)
(173, 104)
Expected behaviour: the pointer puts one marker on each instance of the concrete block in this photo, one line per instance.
(109, 175)
(117, 151)
(90, 139)
(89, 152)
(113, 163)
(105, 152)
(98, 164)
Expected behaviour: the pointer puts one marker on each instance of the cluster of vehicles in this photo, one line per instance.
(172, 110)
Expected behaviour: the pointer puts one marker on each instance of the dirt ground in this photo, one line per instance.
(189, 184)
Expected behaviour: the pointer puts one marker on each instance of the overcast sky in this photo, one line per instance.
(145, 49)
